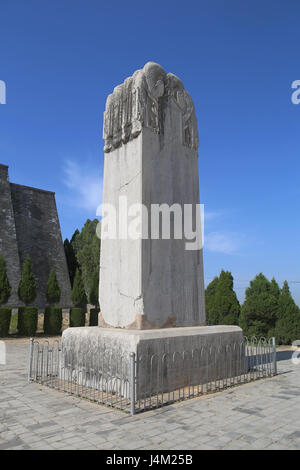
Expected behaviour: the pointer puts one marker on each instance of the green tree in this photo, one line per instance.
(210, 293)
(288, 324)
(27, 286)
(5, 289)
(285, 291)
(71, 259)
(53, 290)
(274, 288)
(259, 311)
(94, 289)
(86, 245)
(74, 241)
(78, 294)
(226, 304)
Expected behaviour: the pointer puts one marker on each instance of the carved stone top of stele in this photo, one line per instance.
(138, 103)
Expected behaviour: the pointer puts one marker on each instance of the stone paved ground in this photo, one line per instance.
(260, 415)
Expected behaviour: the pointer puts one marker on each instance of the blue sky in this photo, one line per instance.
(238, 59)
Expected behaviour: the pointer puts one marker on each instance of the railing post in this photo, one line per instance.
(132, 383)
(274, 355)
(30, 359)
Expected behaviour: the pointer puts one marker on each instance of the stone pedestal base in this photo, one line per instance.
(166, 359)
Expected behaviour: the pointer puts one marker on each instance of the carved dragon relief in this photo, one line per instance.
(137, 103)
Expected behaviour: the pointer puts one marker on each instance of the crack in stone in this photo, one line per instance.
(130, 181)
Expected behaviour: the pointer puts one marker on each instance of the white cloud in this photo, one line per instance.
(223, 242)
(85, 185)
(210, 215)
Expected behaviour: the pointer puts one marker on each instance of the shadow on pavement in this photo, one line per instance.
(284, 355)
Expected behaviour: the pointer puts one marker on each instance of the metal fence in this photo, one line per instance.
(136, 383)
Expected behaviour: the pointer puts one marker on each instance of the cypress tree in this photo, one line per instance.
(288, 324)
(83, 252)
(285, 290)
(259, 311)
(75, 241)
(274, 288)
(53, 290)
(87, 249)
(5, 289)
(226, 304)
(94, 289)
(27, 316)
(78, 294)
(71, 259)
(27, 286)
(210, 292)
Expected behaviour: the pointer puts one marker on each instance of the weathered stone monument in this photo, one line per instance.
(151, 286)
(151, 145)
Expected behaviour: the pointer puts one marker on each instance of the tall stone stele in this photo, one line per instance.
(151, 287)
(151, 158)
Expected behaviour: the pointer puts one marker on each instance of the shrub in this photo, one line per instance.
(53, 290)
(94, 316)
(77, 317)
(53, 320)
(27, 286)
(5, 317)
(27, 321)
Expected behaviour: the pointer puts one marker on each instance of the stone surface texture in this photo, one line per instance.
(82, 345)
(156, 341)
(29, 225)
(151, 142)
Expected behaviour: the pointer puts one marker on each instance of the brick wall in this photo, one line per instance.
(31, 227)
(8, 237)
